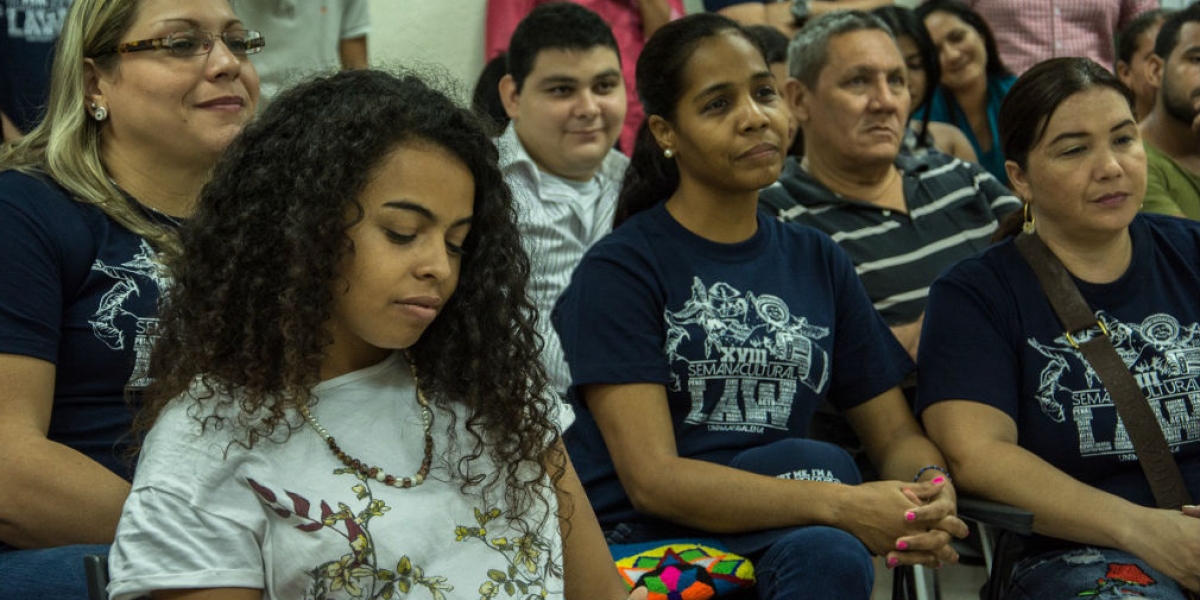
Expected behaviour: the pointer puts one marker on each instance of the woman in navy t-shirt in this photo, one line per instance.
(144, 98)
(1022, 416)
(702, 337)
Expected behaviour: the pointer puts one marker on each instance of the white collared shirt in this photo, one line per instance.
(559, 220)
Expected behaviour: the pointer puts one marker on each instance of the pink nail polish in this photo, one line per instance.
(891, 563)
(910, 516)
(902, 545)
(938, 480)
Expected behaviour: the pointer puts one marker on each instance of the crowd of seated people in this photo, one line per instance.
(368, 342)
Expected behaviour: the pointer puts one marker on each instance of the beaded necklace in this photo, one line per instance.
(375, 472)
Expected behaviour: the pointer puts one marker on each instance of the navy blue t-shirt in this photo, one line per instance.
(747, 338)
(28, 31)
(80, 291)
(991, 336)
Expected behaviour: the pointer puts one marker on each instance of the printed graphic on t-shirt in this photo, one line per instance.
(109, 323)
(754, 355)
(810, 475)
(366, 569)
(1164, 358)
(36, 21)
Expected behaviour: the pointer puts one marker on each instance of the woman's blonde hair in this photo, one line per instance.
(66, 144)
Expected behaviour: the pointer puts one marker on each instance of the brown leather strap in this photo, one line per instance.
(1143, 427)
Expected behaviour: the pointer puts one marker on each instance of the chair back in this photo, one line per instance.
(95, 569)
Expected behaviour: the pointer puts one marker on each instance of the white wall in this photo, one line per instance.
(441, 32)
(429, 32)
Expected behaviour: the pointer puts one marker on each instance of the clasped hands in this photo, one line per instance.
(909, 523)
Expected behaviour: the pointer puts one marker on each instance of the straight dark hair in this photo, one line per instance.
(1031, 103)
(651, 177)
(1168, 34)
(995, 65)
(905, 23)
(1127, 37)
(555, 26)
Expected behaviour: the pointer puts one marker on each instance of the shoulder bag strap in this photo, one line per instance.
(1144, 430)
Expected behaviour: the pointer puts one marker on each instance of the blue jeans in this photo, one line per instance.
(815, 562)
(46, 573)
(1095, 573)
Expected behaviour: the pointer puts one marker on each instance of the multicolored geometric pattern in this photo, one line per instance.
(686, 571)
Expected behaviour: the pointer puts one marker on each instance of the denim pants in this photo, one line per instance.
(815, 562)
(46, 573)
(1096, 573)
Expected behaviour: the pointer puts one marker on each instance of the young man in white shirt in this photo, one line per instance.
(565, 96)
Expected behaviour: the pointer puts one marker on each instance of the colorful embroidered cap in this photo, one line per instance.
(686, 571)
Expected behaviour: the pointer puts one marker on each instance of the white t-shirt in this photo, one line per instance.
(303, 37)
(286, 517)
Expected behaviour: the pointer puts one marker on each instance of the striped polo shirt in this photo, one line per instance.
(953, 208)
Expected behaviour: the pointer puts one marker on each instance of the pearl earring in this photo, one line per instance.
(99, 112)
(669, 153)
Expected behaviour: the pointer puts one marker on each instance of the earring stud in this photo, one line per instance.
(669, 153)
(99, 112)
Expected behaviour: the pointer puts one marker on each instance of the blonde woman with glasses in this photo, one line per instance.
(145, 96)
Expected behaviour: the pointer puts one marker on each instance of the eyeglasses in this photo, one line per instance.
(183, 44)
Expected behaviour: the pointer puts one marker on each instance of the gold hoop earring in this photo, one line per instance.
(1027, 225)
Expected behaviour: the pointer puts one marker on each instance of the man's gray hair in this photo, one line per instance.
(809, 50)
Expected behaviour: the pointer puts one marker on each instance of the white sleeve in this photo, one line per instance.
(562, 413)
(356, 19)
(163, 542)
(187, 522)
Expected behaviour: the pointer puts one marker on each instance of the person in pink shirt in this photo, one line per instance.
(1030, 31)
(632, 23)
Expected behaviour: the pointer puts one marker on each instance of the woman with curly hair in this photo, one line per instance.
(347, 399)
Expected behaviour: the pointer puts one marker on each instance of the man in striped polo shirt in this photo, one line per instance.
(902, 218)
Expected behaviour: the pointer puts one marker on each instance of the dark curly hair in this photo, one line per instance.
(253, 288)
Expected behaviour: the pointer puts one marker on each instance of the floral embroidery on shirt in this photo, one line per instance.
(522, 555)
(356, 573)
